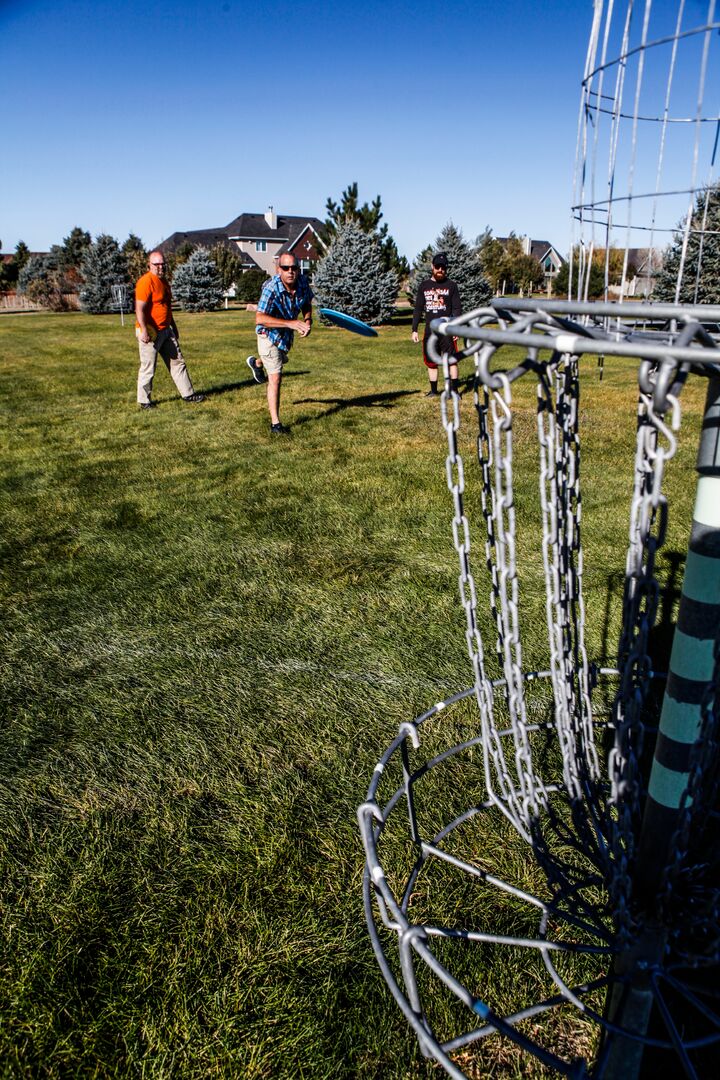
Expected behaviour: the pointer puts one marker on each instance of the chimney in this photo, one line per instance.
(526, 245)
(271, 217)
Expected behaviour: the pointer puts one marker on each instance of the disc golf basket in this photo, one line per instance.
(120, 300)
(542, 848)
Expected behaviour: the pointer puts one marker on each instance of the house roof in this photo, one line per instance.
(247, 227)
(289, 245)
(199, 238)
(645, 259)
(255, 227)
(539, 249)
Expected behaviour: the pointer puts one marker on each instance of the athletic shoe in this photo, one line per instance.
(258, 373)
(279, 429)
(194, 399)
(147, 404)
(432, 393)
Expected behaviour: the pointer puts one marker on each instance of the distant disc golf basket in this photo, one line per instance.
(120, 300)
(543, 847)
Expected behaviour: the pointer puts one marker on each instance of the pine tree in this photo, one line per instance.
(196, 283)
(103, 266)
(22, 254)
(700, 282)
(368, 218)
(135, 257)
(43, 282)
(351, 278)
(464, 267)
(71, 252)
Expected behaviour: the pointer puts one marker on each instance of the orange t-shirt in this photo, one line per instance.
(151, 287)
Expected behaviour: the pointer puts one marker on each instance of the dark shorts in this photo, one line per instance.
(445, 345)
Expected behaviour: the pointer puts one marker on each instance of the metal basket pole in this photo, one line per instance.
(691, 662)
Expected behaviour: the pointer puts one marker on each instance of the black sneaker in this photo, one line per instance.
(432, 393)
(279, 429)
(147, 404)
(194, 399)
(258, 373)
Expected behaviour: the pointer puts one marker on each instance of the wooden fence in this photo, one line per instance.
(10, 301)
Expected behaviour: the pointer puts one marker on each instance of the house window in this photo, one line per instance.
(261, 245)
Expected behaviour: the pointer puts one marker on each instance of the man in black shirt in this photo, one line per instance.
(437, 297)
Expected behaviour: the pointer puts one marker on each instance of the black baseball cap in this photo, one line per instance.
(440, 261)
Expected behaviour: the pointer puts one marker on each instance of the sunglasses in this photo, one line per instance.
(287, 269)
(157, 264)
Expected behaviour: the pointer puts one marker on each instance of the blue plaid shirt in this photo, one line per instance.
(276, 301)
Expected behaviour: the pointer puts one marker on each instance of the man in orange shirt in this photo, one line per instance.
(156, 332)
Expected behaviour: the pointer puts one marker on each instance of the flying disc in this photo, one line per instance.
(347, 322)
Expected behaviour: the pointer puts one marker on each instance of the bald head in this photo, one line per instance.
(156, 262)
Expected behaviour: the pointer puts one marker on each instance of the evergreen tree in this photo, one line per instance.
(71, 252)
(352, 277)
(37, 266)
(68, 258)
(464, 267)
(103, 266)
(22, 254)
(8, 273)
(183, 252)
(367, 217)
(700, 283)
(135, 257)
(43, 282)
(196, 283)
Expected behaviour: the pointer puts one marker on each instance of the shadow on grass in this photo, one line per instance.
(225, 388)
(367, 401)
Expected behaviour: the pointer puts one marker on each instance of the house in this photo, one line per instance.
(546, 254)
(644, 265)
(259, 239)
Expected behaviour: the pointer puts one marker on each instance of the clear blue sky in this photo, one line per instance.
(150, 117)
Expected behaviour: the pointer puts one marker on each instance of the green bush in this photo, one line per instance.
(249, 286)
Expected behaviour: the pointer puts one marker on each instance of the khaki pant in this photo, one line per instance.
(273, 358)
(167, 345)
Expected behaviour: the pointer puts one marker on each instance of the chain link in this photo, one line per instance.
(648, 525)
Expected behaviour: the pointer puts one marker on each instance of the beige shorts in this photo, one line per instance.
(273, 358)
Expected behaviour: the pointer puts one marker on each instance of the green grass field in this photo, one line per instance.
(209, 638)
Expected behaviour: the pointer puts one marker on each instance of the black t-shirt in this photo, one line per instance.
(436, 299)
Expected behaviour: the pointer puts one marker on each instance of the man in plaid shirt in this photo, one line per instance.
(285, 297)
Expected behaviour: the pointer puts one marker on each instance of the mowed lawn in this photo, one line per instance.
(209, 637)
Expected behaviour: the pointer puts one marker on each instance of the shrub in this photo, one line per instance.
(249, 286)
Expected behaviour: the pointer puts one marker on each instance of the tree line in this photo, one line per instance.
(361, 271)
